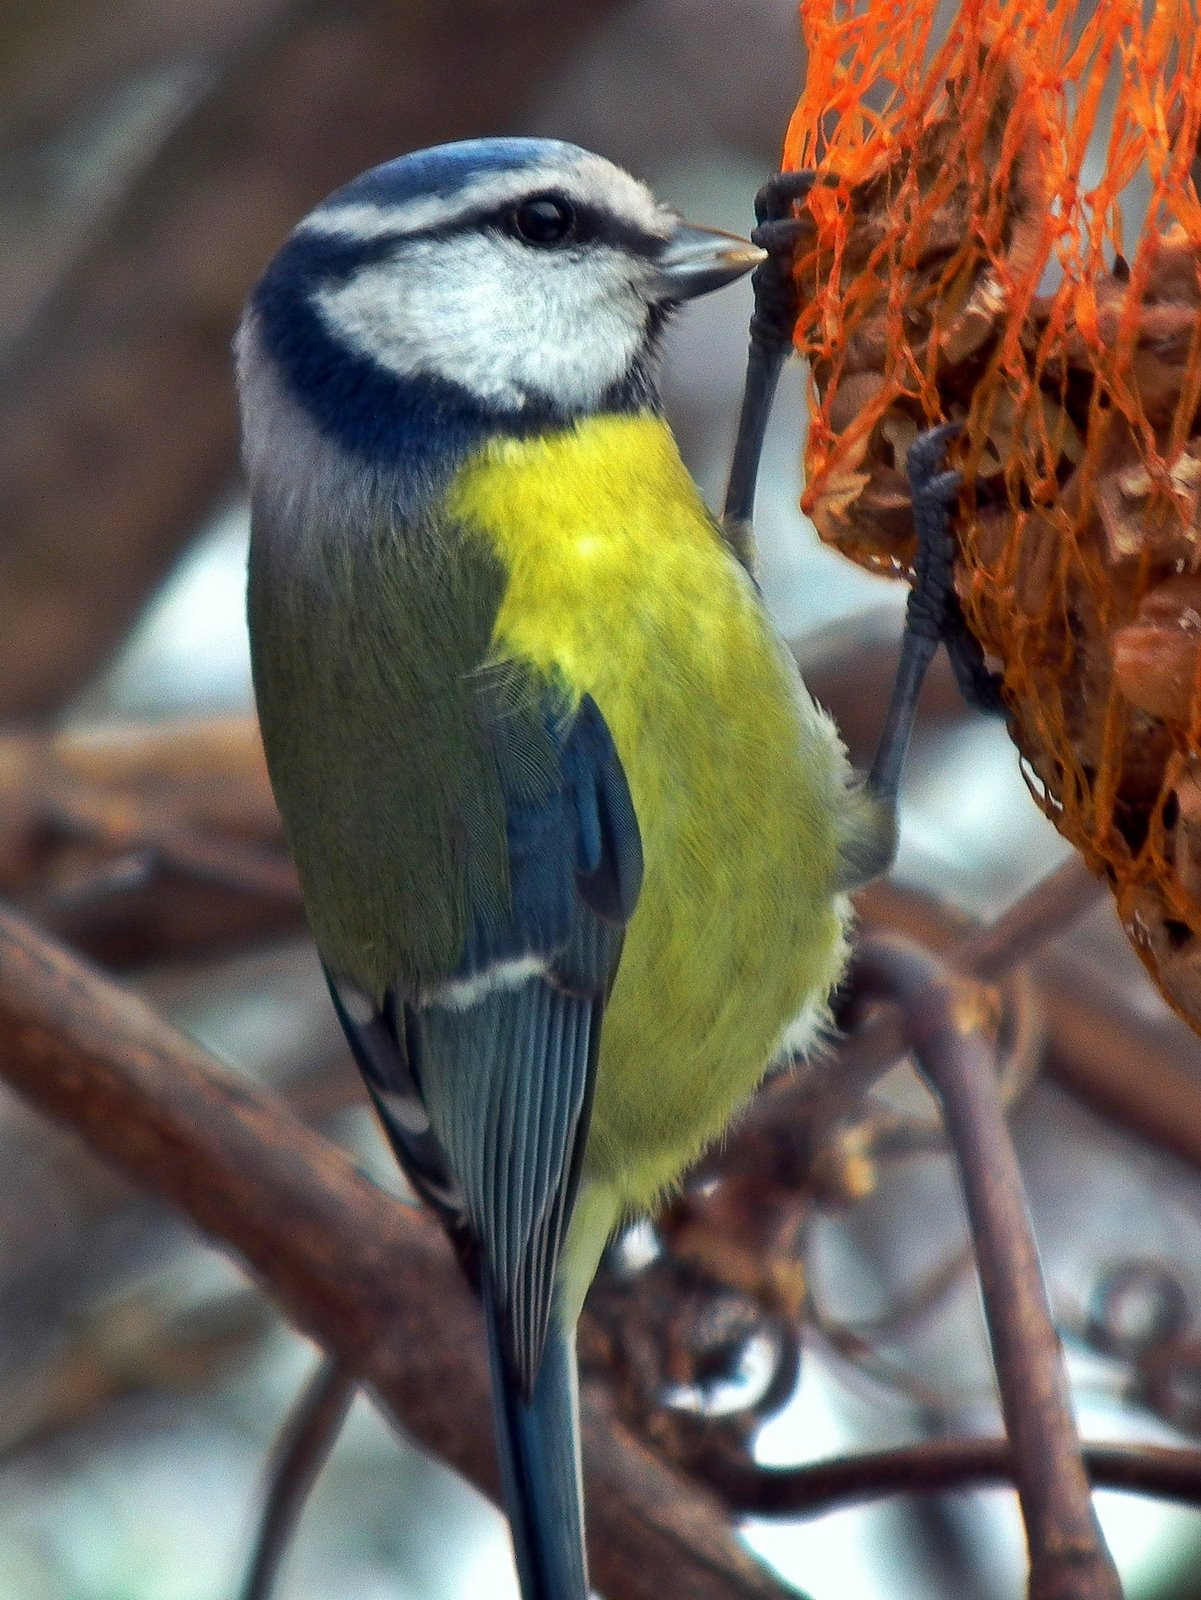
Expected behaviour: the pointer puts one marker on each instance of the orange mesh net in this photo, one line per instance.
(968, 260)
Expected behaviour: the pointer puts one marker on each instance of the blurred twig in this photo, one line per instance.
(145, 839)
(136, 1345)
(1144, 1079)
(370, 1278)
(58, 56)
(858, 1342)
(164, 835)
(946, 1023)
(933, 1467)
(299, 1455)
(208, 771)
(1053, 904)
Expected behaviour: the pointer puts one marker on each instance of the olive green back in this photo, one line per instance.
(366, 641)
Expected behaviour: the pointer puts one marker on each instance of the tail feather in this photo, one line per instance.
(539, 1447)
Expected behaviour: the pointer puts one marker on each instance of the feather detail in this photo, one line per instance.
(484, 1081)
(538, 1441)
(506, 1084)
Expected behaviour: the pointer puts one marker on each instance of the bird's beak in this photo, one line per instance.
(696, 260)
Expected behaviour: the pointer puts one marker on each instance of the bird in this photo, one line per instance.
(573, 838)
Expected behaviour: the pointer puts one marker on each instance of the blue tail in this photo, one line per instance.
(539, 1448)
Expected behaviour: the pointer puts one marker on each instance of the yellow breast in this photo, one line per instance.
(620, 582)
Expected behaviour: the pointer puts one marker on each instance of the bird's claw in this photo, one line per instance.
(784, 190)
(778, 231)
(779, 234)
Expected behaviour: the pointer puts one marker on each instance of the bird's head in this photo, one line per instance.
(493, 285)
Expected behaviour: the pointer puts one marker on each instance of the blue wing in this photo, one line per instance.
(484, 1084)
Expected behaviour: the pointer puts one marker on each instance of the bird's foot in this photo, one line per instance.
(934, 610)
(777, 230)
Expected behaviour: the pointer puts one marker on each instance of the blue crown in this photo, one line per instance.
(447, 167)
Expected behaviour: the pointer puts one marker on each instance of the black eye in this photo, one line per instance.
(547, 220)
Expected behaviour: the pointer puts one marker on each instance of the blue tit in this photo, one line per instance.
(572, 836)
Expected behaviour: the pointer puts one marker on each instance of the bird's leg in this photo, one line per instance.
(933, 615)
(933, 618)
(777, 231)
(298, 1456)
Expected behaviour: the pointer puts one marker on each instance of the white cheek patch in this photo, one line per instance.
(502, 319)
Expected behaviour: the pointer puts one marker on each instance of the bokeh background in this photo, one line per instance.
(152, 154)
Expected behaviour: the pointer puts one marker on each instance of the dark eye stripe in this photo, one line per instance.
(593, 224)
(315, 258)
